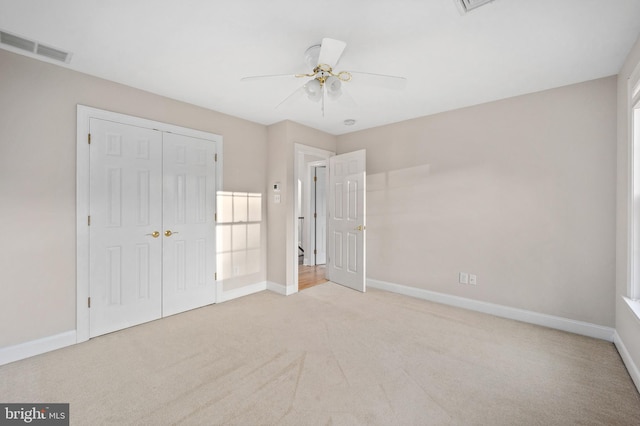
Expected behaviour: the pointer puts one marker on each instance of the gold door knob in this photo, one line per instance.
(168, 233)
(154, 234)
(359, 228)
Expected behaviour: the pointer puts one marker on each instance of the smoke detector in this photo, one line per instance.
(469, 5)
(21, 43)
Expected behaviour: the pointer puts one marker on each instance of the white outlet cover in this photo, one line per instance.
(463, 278)
(473, 279)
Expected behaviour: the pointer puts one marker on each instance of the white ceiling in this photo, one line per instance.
(197, 50)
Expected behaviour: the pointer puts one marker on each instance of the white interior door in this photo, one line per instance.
(189, 264)
(321, 216)
(125, 249)
(347, 220)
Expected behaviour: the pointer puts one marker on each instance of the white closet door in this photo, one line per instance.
(188, 233)
(125, 267)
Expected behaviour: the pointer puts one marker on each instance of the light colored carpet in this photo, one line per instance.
(332, 356)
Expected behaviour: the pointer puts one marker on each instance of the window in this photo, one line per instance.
(239, 234)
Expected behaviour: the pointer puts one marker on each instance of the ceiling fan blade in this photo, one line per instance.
(380, 80)
(346, 100)
(330, 51)
(261, 77)
(298, 93)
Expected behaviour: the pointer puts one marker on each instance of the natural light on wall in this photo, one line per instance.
(238, 233)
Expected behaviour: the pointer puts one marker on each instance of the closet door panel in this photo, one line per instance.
(189, 197)
(125, 259)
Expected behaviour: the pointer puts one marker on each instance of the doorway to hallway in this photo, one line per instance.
(342, 241)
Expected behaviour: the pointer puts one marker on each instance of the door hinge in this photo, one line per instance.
(215, 158)
(315, 252)
(89, 138)
(215, 217)
(215, 276)
(315, 178)
(88, 302)
(88, 220)
(315, 215)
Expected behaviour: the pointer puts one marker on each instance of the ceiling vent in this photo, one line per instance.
(17, 42)
(468, 5)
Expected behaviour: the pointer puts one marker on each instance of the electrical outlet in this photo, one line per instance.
(473, 279)
(463, 278)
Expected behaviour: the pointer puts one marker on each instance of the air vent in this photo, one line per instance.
(8, 39)
(468, 5)
(52, 53)
(18, 42)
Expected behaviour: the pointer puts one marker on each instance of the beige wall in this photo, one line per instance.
(37, 183)
(520, 192)
(282, 138)
(627, 325)
(280, 164)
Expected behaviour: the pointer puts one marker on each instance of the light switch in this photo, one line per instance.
(276, 198)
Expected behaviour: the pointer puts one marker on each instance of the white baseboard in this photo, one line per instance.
(558, 323)
(51, 343)
(243, 291)
(37, 347)
(281, 289)
(632, 368)
(46, 344)
(277, 288)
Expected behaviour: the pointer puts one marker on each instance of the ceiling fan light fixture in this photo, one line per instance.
(334, 87)
(313, 89)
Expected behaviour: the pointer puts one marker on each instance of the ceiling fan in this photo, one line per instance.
(323, 81)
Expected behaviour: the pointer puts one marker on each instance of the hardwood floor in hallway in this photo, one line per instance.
(308, 276)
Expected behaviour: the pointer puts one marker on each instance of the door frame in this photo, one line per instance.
(300, 151)
(84, 114)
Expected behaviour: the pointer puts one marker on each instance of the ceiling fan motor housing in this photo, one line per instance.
(311, 55)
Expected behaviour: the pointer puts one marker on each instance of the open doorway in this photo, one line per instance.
(313, 227)
(345, 183)
(311, 214)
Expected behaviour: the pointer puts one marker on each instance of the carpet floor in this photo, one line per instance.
(332, 356)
